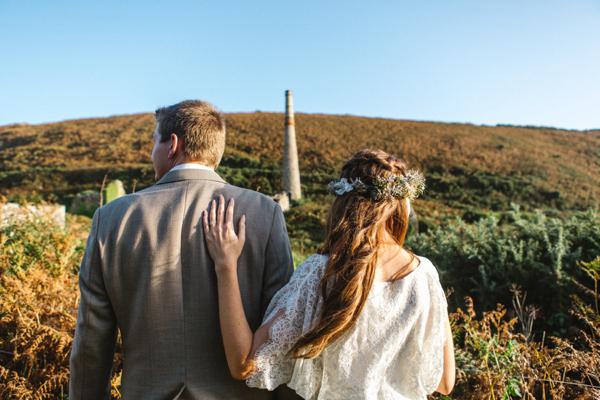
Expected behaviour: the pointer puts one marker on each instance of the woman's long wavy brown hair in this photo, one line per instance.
(355, 227)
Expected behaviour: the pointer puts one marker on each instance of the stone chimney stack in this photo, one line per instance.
(291, 170)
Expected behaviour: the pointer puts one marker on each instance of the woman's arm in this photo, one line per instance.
(225, 248)
(449, 374)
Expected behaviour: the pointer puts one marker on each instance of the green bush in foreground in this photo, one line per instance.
(485, 260)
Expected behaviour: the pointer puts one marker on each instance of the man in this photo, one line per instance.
(147, 272)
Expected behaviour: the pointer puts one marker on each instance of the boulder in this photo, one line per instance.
(10, 212)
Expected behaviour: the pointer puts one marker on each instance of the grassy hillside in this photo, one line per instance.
(568, 161)
(472, 171)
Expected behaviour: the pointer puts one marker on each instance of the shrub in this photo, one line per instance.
(483, 260)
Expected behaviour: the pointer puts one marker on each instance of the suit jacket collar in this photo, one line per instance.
(190, 174)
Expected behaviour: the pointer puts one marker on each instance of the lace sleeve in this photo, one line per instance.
(294, 308)
(433, 345)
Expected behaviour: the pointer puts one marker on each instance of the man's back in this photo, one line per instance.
(146, 268)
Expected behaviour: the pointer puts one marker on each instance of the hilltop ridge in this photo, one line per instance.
(470, 168)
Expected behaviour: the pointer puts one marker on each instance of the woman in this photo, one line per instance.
(365, 319)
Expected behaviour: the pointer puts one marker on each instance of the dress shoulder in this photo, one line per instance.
(428, 266)
(433, 280)
(433, 341)
(314, 264)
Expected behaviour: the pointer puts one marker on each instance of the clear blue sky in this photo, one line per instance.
(484, 62)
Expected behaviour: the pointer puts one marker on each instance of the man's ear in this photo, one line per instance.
(176, 146)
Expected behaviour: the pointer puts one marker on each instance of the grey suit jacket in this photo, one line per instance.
(147, 272)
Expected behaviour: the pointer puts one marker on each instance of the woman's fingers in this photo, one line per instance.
(205, 222)
(221, 212)
(212, 220)
(229, 215)
(242, 230)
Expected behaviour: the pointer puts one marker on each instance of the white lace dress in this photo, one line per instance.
(394, 351)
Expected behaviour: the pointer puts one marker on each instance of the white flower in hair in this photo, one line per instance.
(341, 187)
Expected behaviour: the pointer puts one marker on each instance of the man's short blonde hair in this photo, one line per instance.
(199, 126)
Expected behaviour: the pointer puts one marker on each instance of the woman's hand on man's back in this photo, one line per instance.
(224, 246)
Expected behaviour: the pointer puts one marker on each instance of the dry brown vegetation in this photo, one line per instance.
(38, 303)
(496, 361)
(568, 161)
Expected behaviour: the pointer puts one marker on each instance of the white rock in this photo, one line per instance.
(14, 212)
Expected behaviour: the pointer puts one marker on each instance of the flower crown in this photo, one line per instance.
(410, 186)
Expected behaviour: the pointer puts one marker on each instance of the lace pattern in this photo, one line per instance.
(394, 351)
